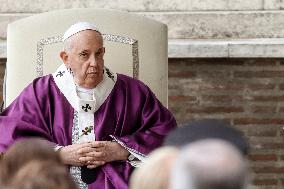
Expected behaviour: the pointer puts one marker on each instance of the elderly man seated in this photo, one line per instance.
(99, 121)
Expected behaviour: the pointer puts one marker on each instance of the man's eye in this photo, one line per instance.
(83, 55)
(99, 54)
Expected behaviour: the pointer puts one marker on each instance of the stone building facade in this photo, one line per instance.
(225, 61)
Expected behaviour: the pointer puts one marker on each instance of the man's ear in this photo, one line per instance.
(64, 57)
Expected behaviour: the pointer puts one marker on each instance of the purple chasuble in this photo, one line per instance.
(131, 114)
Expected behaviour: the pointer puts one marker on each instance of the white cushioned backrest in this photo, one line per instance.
(135, 46)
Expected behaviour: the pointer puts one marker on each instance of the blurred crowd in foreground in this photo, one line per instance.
(204, 154)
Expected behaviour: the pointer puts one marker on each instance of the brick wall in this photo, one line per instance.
(247, 92)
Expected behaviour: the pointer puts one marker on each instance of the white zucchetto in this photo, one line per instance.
(78, 27)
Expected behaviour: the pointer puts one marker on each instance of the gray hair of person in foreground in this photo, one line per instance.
(210, 164)
(154, 173)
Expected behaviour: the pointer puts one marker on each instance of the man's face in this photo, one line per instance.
(85, 58)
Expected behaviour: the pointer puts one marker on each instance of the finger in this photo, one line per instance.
(99, 149)
(85, 150)
(85, 144)
(86, 159)
(92, 166)
(95, 164)
(95, 154)
(95, 157)
(98, 144)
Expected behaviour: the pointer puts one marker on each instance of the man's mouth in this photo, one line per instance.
(92, 72)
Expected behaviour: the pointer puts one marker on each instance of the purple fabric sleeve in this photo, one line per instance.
(153, 121)
(32, 114)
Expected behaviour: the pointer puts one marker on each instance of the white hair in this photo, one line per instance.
(210, 164)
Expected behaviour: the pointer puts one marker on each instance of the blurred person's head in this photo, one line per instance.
(204, 129)
(40, 174)
(1, 180)
(22, 152)
(154, 173)
(210, 164)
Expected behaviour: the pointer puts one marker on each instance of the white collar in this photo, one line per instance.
(65, 82)
(84, 90)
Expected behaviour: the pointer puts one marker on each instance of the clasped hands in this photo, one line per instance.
(92, 154)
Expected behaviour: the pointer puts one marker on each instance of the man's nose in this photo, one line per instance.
(92, 61)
